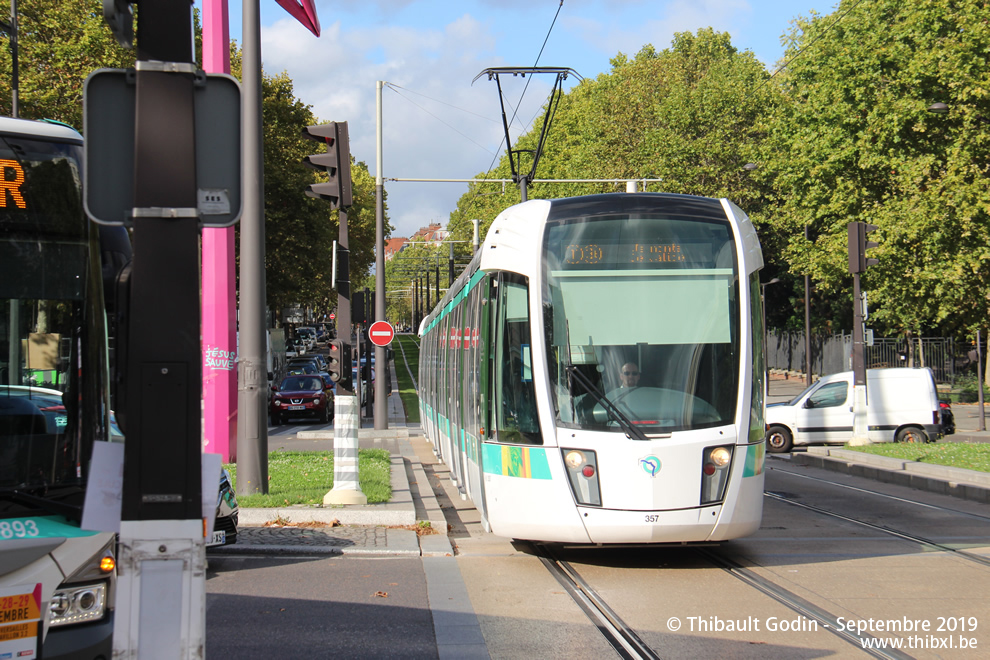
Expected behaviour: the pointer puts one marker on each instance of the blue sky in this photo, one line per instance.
(436, 123)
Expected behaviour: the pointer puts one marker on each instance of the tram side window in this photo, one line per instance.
(517, 420)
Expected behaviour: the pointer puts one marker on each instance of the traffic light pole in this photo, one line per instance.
(858, 262)
(860, 434)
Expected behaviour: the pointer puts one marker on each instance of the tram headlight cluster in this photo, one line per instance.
(582, 472)
(715, 473)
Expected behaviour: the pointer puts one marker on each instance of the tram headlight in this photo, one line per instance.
(582, 472)
(574, 459)
(715, 473)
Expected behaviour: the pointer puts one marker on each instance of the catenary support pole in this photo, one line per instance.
(381, 386)
(252, 427)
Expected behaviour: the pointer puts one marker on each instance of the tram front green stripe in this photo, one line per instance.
(512, 461)
(755, 456)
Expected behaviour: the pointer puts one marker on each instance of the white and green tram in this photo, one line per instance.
(595, 376)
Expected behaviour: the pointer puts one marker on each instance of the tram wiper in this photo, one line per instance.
(573, 373)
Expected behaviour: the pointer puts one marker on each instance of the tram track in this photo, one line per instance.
(799, 605)
(627, 643)
(979, 559)
(875, 493)
(619, 636)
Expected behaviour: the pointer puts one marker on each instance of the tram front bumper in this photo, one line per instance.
(680, 526)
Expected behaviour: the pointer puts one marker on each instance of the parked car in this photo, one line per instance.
(301, 396)
(948, 418)
(902, 406)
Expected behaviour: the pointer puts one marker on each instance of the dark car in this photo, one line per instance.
(315, 359)
(298, 396)
(948, 419)
(225, 527)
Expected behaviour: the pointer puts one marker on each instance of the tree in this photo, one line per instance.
(59, 45)
(854, 142)
(300, 230)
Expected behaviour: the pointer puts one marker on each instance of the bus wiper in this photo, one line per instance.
(67, 511)
(627, 426)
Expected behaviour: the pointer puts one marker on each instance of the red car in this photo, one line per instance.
(301, 396)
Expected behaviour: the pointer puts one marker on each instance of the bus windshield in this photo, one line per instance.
(50, 303)
(641, 315)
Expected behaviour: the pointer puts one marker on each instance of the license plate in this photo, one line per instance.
(219, 538)
(297, 407)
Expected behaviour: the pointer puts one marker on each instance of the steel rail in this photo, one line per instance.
(620, 636)
(801, 606)
(880, 528)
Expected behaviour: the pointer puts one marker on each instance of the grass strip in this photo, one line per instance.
(304, 477)
(407, 391)
(968, 455)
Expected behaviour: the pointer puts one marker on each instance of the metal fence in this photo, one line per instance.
(832, 354)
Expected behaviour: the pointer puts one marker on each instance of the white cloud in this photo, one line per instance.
(436, 125)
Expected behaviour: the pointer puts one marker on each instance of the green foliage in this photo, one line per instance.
(59, 44)
(854, 142)
(691, 115)
(304, 477)
(300, 230)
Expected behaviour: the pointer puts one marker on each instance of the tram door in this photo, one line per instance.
(472, 400)
(456, 371)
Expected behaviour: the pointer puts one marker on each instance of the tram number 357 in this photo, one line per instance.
(652, 518)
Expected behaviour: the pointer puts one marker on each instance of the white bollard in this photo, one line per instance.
(346, 489)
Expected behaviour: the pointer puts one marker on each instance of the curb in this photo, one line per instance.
(432, 545)
(954, 482)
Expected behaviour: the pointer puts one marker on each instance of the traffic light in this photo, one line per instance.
(357, 308)
(339, 362)
(336, 162)
(858, 245)
(341, 274)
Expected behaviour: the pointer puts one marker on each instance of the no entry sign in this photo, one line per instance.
(381, 333)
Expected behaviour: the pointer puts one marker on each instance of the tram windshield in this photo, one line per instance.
(641, 315)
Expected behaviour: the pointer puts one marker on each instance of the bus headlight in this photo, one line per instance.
(78, 603)
(715, 465)
(582, 472)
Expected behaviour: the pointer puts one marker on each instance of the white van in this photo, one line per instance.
(902, 406)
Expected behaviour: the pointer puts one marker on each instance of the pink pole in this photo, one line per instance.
(219, 309)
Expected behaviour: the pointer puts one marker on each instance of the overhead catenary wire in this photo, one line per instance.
(515, 112)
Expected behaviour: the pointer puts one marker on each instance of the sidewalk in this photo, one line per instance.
(370, 529)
